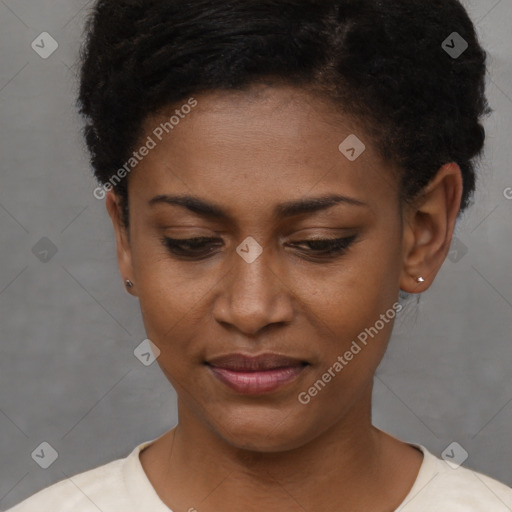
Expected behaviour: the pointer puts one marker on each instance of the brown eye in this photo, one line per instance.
(327, 246)
(191, 247)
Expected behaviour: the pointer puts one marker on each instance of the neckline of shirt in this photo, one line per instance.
(144, 495)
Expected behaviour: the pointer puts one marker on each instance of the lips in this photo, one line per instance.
(256, 374)
(263, 362)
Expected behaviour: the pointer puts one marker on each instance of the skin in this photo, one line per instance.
(248, 151)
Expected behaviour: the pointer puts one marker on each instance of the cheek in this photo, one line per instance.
(352, 294)
(169, 299)
(352, 307)
(351, 343)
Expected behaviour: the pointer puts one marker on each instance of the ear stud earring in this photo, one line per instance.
(128, 284)
(420, 280)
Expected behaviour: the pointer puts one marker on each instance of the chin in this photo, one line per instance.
(260, 432)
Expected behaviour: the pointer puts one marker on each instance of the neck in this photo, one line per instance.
(201, 470)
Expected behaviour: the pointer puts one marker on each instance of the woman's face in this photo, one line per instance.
(250, 159)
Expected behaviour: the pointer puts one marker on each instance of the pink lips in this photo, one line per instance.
(255, 375)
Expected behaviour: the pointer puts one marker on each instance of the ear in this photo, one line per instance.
(124, 255)
(428, 228)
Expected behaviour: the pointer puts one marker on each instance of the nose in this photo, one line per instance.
(254, 295)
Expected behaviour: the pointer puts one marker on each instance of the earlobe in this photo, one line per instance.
(123, 248)
(428, 229)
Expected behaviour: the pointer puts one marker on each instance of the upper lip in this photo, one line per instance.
(242, 362)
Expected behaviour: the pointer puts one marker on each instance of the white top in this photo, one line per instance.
(122, 486)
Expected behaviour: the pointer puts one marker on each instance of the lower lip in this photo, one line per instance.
(254, 383)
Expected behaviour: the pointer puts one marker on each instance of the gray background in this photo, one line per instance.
(68, 329)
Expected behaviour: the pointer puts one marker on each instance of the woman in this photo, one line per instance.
(277, 172)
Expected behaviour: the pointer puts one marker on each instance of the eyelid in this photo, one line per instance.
(335, 247)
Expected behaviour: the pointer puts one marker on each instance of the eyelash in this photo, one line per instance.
(330, 247)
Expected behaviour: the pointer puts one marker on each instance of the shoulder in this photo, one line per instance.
(105, 487)
(89, 491)
(458, 489)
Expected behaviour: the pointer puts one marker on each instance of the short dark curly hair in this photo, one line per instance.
(380, 61)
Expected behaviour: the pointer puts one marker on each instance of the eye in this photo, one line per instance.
(202, 247)
(325, 247)
(191, 247)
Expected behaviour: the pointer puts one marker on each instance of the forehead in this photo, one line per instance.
(257, 147)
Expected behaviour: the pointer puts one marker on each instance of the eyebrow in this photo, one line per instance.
(287, 209)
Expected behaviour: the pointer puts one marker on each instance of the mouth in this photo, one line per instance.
(253, 375)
